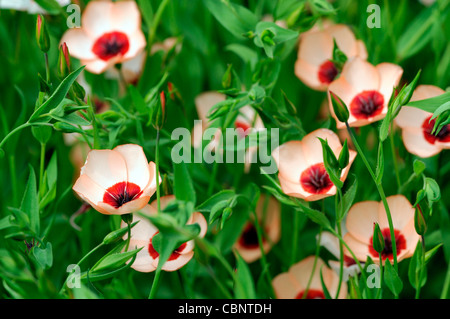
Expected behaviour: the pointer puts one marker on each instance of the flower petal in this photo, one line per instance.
(390, 75)
(416, 143)
(126, 16)
(361, 75)
(402, 212)
(79, 44)
(285, 286)
(360, 220)
(205, 101)
(179, 262)
(136, 164)
(97, 18)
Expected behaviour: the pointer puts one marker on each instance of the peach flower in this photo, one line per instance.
(365, 89)
(110, 33)
(314, 66)
(247, 120)
(417, 126)
(143, 232)
(118, 181)
(301, 170)
(360, 222)
(292, 284)
(269, 219)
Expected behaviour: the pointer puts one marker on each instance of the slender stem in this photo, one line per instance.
(219, 283)
(47, 69)
(419, 284)
(156, 19)
(295, 237)
(41, 169)
(341, 247)
(381, 277)
(158, 190)
(316, 256)
(155, 284)
(380, 191)
(12, 169)
(444, 292)
(394, 158)
(20, 127)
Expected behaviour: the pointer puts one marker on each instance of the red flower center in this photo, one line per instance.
(121, 193)
(443, 136)
(249, 237)
(244, 127)
(110, 45)
(175, 254)
(312, 294)
(400, 242)
(367, 104)
(327, 72)
(315, 179)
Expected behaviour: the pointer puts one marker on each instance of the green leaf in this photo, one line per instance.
(315, 216)
(417, 273)
(58, 96)
(324, 287)
(347, 200)
(431, 105)
(44, 255)
(244, 286)
(331, 164)
(183, 186)
(391, 278)
(433, 190)
(208, 204)
(30, 202)
(113, 260)
(380, 164)
(418, 167)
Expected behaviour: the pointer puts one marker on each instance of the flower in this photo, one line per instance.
(314, 66)
(144, 231)
(331, 243)
(365, 89)
(360, 222)
(268, 212)
(247, 120)
(118, 181)
(292, 284)
(110, 33)
(301, 170)
(28, 5)
(417, 126)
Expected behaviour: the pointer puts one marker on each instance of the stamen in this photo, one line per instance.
(121, 193)
(443, 136)
(327, 72)
(315, 179)
(110, 45)
(367, 104)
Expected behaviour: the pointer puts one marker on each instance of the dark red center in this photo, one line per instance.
(400, 242)
(327, 72)
(244, 128)
(315, 179)
(367, 104)
(110, 45)
(121, 193)
(249, 237)
(312, 294)
(443, 136)
(175, 254)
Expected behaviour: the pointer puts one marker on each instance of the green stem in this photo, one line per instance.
(158, 190)
(380, 191)
(12, 169)
(156, 19)
(155, 284)
(47, 69)
(316, 256)
(41, 169)
(394, 158)
(341, 247)
(219, 283)
(444, 292)
(295, 237)
(419, 284)
(20, 127)
(381, 277)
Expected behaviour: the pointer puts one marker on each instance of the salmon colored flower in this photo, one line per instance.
(417, 126)
(110, 33)
(268, 212)
(118, 181)
(144, 231)
(247, 120)
(360, 222)
(301, 170)
(293, 284)
(365, 89)
(314, 66)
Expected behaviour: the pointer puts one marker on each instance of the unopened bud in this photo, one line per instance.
(377, 239)
(42, 37)
(339, 108)
(419, 221)
(63, 61)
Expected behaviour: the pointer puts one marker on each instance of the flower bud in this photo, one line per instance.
(344, 156)
(159, 111)
(42, 37)
(63, 61)
(339, 107)
(377, 239)
(419, 221)
(116, 234)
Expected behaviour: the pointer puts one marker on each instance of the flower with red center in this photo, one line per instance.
(247, 120)
(118, 181)
(365, 89)
(417, 126)
(144, 232)
(293, 284)
(110, 33)
(314, 66)
(268, 212)
(361, 218)
(301, 170)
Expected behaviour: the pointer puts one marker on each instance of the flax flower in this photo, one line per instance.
(118, 181)
(268, 212)
(360, 222)
(144, 231)
(314, 66)
(301, 170)
(110, 33)
(365, 89)
(417, 126)
(293, 284)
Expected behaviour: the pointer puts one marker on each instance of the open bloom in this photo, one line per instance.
(293, 284)
(144, 231)
(365, 89)
(417, 126)
(331, 243)
(268, 212)
(360, 222)
(314, 66)
(246, 121)
(110, 33)
(118, 181)
(301, 170)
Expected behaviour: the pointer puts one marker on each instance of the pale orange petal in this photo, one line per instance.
(411, 117)
(390, 75)
(126, 16)
(79, 44)
(401, 210)
(360, 219)
(416, 143)
(285, 286)
(205, 101)
(97, 18)
(361, 75)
